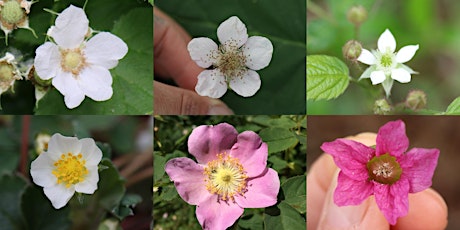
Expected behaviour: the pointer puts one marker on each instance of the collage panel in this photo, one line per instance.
(229, 172)
(76, 172)
(373, 172)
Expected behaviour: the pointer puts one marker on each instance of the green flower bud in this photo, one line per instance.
(357, 15)
(381, 107)
(351, 50)
(416, 99)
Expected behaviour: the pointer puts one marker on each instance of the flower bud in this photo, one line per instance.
(357, 15)
(416, 99)
(351, 50)
(381, 107)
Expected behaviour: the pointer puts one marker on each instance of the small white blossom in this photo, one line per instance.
(385, 64)
(234, 62)
(78, 67)
(69, 165)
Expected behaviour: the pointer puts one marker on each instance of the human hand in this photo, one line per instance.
(173, 61)
(427, 209)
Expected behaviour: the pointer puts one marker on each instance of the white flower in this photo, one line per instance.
(67, 166)
(9, 72)
(385, 64)
(41, 142)
(78, 67)
(234, 62)
(13, 14)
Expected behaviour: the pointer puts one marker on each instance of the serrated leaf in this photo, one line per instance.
(454, 107)
(158, 167)
(295, 192)
(327, 77)
(283, 217)
(278, 139)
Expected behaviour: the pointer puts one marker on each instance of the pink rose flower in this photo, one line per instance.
(387, 171)
(231, 174)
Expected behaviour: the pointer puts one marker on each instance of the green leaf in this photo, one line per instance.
(158, 167)
(277, 163)
(454, 107)
(327, 77)
(278, 139)
(295, 192)
(168, 193)
(128, 202)
(253, 222)
(9, 156)
(283, 217)
(11, 190)
(110, 187)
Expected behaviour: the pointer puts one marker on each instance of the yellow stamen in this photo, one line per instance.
(70, 169)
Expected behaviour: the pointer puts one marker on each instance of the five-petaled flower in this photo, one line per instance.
(386, 65)
(233, 62)
(387, 171)
(230, 175)
(69, 165)
(78, 67)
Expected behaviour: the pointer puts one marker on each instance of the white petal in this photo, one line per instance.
(47, 60)
(367, 57)
(59, 144)
(377, 77)
(203, 51)
(59, 195)
(407, 68)
(400, 75)
(70, 27)
(91, 153)
(89, 185)
(406, 53)
(367, 72)
(258, 52)
(96, 83)
(247, 85)
(41, 171)
(105, 49)
(386, 42)
(232, 32)
(387, 84)
(68, 86)
(211, 83)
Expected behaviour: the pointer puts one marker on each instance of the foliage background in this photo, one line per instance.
(284, 24)
(286, 139)
(433, 24)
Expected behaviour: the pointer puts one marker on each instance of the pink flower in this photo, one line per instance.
(387, 171)
(231, 174)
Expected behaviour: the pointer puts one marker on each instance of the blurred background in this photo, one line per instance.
(433, 24)
(422, 131)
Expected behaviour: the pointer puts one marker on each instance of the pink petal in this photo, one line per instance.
(188, 178)
(251, 152)
(393, 199)
(392, 139)
(206, 141)
(418, 167)
(213, 214)
(262, 191)
(350, 156)
(350, 191)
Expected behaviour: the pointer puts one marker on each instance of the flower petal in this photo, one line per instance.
(392, 139)
(350, 191)
(392, 200)
(188, 178)
(41, 171)
(387, 85)
(70, 27)
(232, 33)
(217, 215)
(418, 166)
(203, 51)
(246, 85)
(251, 152)
(406, 53)
(206, 141)
(47, 60)
(59, 144)
(367, 57)
(377, 77)
(89, 185)
(211, 83)
(386, 42)
(258, 52)
(262, 191)
(96, 83)
(68, 86)
(350, 156)
(59, 195)
(105, 49)
(400, 75)
(91, 153)
(367, 72)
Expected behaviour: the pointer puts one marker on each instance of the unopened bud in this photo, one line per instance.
(351, 50)
(357, 15)
(416, 99)
(381, 107)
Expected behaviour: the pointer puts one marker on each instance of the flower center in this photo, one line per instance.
(386, 62)
(12, 13)
(6, 73)
(384, 169)
(72, 60)
(232, 62)
(225, 177)
(70, 169)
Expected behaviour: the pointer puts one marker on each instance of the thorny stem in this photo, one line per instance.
(24, 144)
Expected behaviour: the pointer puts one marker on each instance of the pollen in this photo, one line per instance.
(225, 177)
(72, 60)
(384, 169)
(70, 169)
(232, 61)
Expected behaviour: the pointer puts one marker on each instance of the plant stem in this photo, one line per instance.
(318, 11)
(24, 144)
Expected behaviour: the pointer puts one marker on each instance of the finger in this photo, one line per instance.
(171, 56)
(173, 100)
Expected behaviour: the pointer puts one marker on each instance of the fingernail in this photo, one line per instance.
(218, 108)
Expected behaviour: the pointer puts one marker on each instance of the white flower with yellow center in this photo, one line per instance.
(77, 67)
(385, 64)
(69, 165)
(13, 14)
(9, 72)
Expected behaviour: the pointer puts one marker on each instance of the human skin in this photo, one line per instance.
(427, 209)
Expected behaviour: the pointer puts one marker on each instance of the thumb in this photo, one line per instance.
(170, 100)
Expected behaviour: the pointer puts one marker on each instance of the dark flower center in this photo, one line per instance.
(384, 169)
